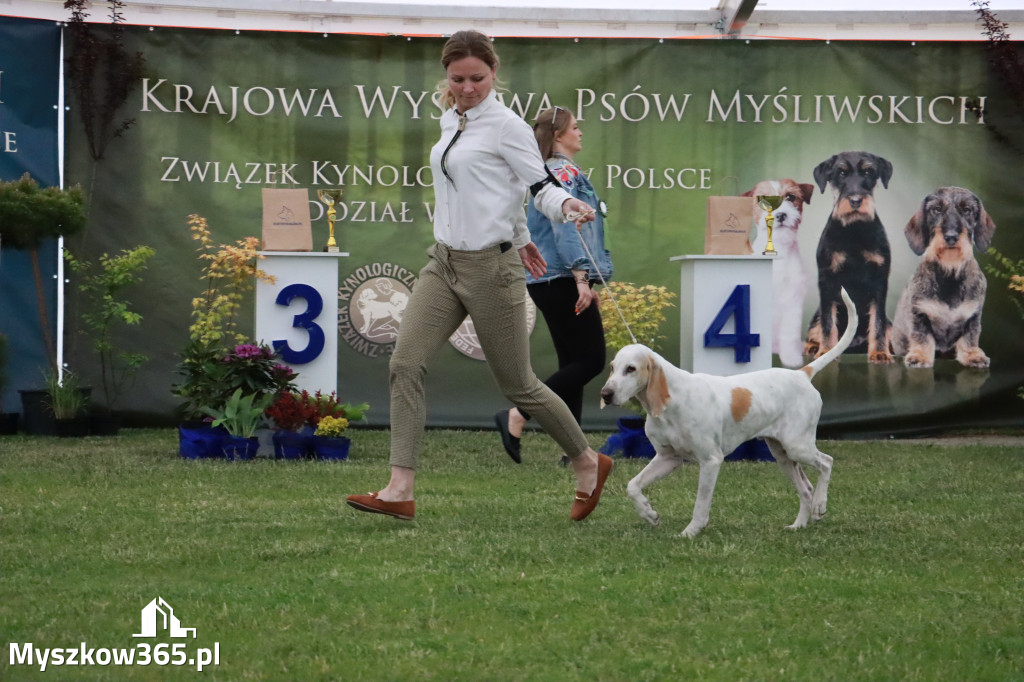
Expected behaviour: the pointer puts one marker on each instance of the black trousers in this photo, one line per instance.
(578, 340)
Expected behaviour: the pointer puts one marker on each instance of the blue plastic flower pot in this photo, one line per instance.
(755, 450)
(239, 447)
(200, 441)
(630, 441)
(331, 448)
(292, 445)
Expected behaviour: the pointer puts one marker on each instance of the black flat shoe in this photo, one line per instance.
(510, 442)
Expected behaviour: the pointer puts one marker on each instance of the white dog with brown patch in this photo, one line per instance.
(704, 417)
(789, 277)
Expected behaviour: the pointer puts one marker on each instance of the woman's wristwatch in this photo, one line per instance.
(581, 276)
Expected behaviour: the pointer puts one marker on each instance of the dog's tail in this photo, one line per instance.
(844, 343)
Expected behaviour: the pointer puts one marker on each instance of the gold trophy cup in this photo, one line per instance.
(330, 197)
(768, 204)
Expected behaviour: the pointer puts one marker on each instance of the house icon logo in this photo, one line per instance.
(159, 614)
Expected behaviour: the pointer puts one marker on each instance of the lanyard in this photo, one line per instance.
(462, 126)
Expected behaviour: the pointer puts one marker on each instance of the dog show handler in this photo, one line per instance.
(482, 166)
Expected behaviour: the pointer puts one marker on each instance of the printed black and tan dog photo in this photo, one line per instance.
(939, 312)
(853, 253)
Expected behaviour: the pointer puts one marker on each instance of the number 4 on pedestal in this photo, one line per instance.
(737, 307)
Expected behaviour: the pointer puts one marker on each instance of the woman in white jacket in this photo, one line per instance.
(485, 160)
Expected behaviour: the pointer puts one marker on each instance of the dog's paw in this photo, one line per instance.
(647, 513)
(818, 511)
(880, 357)
(918, 360)
(973, 358)
(691, 530)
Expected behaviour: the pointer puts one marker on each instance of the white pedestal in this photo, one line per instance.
(719, 296)
(298, 314)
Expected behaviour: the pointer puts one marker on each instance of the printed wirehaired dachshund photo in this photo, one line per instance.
(939, 312)
(853, 253)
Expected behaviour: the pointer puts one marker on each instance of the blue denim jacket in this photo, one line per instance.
(559, 243)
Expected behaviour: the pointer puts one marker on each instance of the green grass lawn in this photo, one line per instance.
(915, 574)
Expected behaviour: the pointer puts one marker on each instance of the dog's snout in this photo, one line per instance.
(951, 232)
(607, 394)
(855, 202)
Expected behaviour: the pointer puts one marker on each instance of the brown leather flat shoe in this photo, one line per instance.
(585, 503)
(369, 503)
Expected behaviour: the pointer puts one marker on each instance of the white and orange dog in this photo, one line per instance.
(789, 277)
(702, 417)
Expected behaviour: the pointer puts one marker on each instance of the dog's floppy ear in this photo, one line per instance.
(657, 387)
(917, 231)
(748, 194)
(986, 228)
(884, 170)
(807, 190)
(822, 171)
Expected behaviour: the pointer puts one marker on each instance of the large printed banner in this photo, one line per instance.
(666, 124)
(29, 82)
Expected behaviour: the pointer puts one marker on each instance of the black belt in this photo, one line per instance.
(505, 246)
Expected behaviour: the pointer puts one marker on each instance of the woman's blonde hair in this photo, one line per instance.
(464, 44)
(547, 125)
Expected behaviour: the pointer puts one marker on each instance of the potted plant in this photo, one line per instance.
(211, 376)
(240, 416)
(329, 441)
(293, 416)
(29, 215)
(643, 309)
(67, 401)
(8, 420)
(102, 285)
(230, 272)
(328, 405)
(216, 359)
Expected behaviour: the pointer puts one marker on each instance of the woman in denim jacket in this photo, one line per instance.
(564, 294)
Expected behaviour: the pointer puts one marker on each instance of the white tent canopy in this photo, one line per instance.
(843, 19)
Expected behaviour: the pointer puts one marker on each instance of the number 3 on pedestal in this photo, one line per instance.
(304, 320)
(737, 307)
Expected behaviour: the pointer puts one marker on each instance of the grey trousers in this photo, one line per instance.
(490, 286)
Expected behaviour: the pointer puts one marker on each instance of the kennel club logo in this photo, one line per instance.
(371, 302)
(466, 342)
